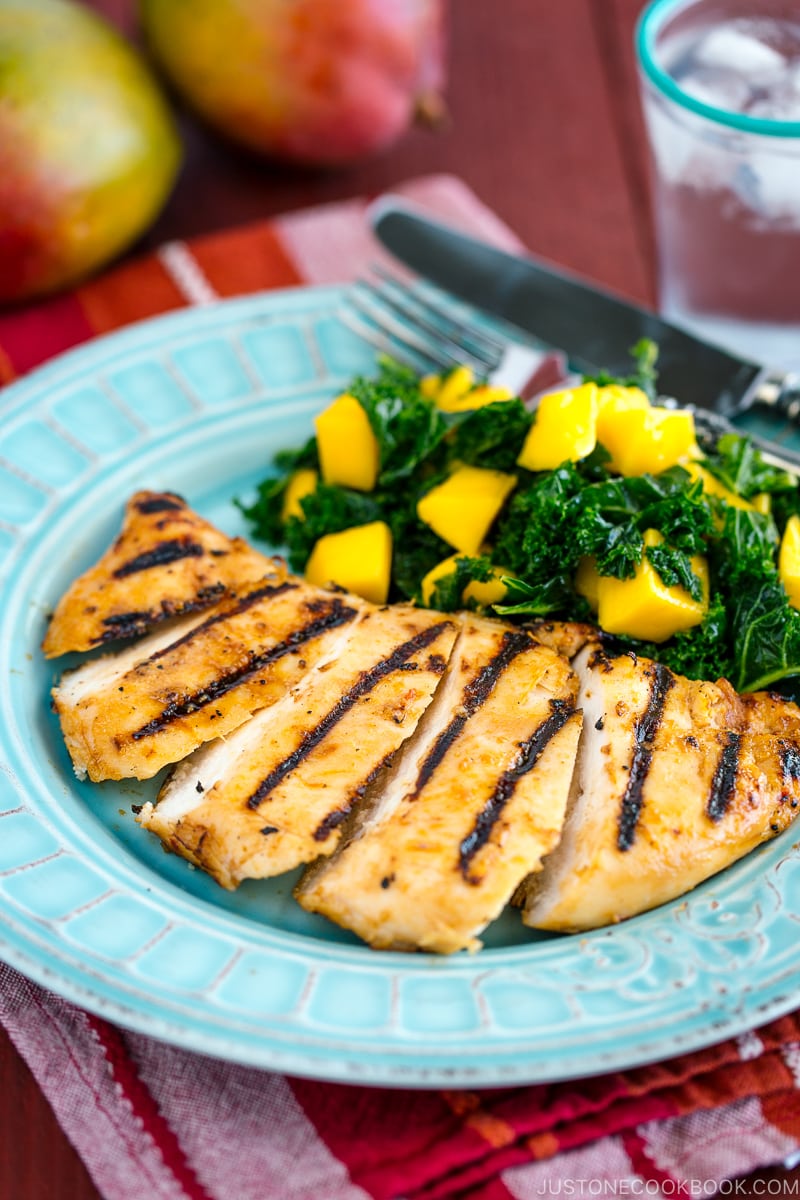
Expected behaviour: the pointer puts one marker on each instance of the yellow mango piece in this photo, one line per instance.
(301, 483)
(347, 447)
(477, 397)
(643, 607)
(614, 399)
(358, 559)
(429, 386)
(462, 509)
(789, 560)
(647, 440)
(565, 429)
(713, 487)
(486, 393)
(762, 503)
(586, 581)
(491, 591)
(454, 387)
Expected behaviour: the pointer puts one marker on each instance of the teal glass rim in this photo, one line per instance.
(651, 21)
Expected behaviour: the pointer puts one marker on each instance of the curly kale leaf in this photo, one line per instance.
(538, 600)
(264, 514)
(533, 534)
(644, 374)
(491, 436)
(448, 591)
(328, 509)
(408, 427)
(675, 569)
(766, 636)
(738, 465)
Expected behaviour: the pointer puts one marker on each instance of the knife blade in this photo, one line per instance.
(594, 327)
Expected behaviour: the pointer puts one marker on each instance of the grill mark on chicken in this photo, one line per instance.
(168, 502)
(723, 781)
(242, 605)
(166, 552)
(644, 734)
(531, 751)
(790, 762)
(127, 625)
(338, 614)
(396, 661)
(476, 693)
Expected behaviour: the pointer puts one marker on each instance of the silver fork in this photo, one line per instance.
(406, 322)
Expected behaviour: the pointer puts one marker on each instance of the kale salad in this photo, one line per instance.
(600, 505)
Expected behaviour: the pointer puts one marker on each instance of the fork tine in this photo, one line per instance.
(435, 351)
(432, 316)
(378, 337)
(397, 314)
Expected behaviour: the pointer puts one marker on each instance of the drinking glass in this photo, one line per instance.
(720, 84)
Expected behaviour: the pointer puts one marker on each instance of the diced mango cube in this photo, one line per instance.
(762, 503)
(645, 441)
(487, 592)
(454, 387)
(490, 591)
(486, 393)
(614, 399)
(565, 429)
(462, 508)
(713, 487)
(429, 386)
(301, 483)
(789, 560)
(358, 559)
(644, 607)
(348, 449)
(586, 581)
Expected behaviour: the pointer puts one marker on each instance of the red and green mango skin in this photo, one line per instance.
(88, 148)
(320, 82)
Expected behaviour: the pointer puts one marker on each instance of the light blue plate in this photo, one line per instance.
(91, 906)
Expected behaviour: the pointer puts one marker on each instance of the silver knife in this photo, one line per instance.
(594, 328)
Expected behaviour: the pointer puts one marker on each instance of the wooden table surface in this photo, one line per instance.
(544, 125)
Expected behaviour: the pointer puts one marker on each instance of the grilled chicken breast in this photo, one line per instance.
(675, 781)
(475, 800)
(132, 713)
(276, 792)
(167, 560)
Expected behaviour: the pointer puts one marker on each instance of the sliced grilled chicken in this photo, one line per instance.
(675, 781)
(475, 800)
(276, 792)
(132, 713)
(167, 560)
(565, 637)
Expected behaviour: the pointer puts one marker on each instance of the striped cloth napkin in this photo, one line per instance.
(152, 1120)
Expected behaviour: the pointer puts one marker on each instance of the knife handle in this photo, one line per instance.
(780, 392)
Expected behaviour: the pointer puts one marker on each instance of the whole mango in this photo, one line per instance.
(88, 149)
(319, 82)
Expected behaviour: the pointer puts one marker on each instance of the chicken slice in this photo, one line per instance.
(166, 561)
(475, 800)
(676, 780)
(275, 793)
(132, 713)
(565, 637)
